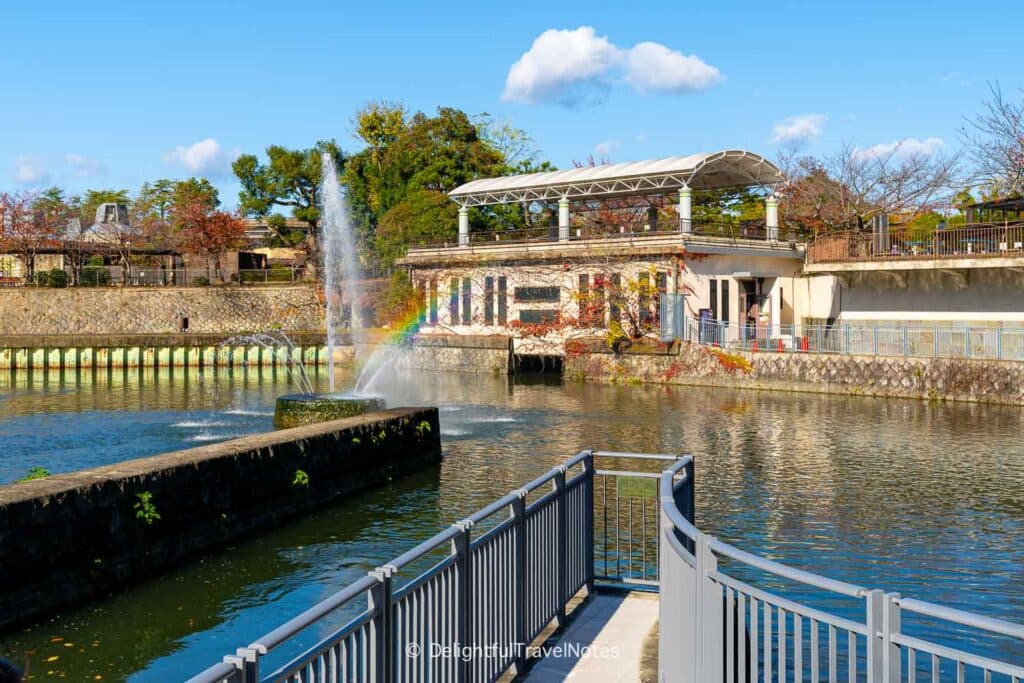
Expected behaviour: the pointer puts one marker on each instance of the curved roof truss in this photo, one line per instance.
(705, 171)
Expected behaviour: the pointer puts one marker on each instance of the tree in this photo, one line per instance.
(853, 185)
(995, 143)
(207, 231)
(290, 178)
(423, 215)
(93, 199)
(27, 227)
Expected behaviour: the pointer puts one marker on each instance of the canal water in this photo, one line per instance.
(922, 498)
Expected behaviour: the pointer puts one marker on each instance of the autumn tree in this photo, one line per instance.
(995, 144)
(26, 228)
(208, 232)
(853, 185)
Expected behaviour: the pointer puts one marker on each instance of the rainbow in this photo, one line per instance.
(406, 327)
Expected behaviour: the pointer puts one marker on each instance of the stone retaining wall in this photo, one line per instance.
(922, 378)
(70, 537)
(158, 310)
(456, 353)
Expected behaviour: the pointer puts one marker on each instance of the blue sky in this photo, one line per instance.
(109, 94)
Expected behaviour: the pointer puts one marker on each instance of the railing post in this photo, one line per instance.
(935, 341)
(463, 589)
(588, 506)
(519, 579)
(875, 352)
(906, 342)
(891, 627)
(382, 653)
(876, 635)
(847, 340)
(967, 342)
(708, 618)
(561, 542)
(999, 343)
(248, 659)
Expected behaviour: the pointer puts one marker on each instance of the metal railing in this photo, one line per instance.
(496, 586)
(902, 244)
(493, 583)
(550, 234)
(716, 627)
(916, 341)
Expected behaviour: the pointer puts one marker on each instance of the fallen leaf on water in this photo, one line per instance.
(53, 658)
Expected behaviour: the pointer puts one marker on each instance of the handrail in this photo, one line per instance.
(705, 613)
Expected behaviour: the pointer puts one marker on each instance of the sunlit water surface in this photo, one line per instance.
(922, 498)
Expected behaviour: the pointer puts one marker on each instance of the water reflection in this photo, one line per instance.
(921, 498)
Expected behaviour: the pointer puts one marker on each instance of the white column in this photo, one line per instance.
(685, 210)
(771, 214)
(563, 219)
(463, 226)
(775, 302)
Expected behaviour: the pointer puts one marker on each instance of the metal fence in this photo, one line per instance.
(508, 571)
(716, 627)
(496, 586)
(908, 244)
(921, 341)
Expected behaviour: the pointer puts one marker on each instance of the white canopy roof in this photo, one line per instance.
(730, 168)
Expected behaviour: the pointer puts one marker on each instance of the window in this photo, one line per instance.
(614, 311)
(725, 301)
(713, 297)
(453, 301)
(537, 317)
(467, 301)
(662, 282)
(502, 300)
(539, 294)
(433, 301)
(488, 300)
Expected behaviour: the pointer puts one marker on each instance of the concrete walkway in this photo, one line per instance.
(603, 643)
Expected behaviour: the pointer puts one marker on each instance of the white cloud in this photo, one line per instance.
(560, 61)
(205, 157)
(573, 66)
(84, 166)
(906, 147)
(603, 149)
(799, 128)
(29, 170)
(654, 67)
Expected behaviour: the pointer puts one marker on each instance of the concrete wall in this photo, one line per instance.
(70, 537)
(455, 353)
(695, 364)
(981, 297)
(157, 310)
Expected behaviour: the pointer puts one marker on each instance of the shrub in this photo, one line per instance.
(279, 273)
(94, 276)
(58, 278)
(35, 473)
(200, 282)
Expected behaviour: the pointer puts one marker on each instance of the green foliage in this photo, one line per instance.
(397, 298)
(145, 509)
(291, 177)
(409, 168)
(200, 282)
(35, 473)
(356, 441)
(52, 278)
(93, 199)
(616, 337)
(93, 274)
(423, 428)
(422, 216)
(301, 479)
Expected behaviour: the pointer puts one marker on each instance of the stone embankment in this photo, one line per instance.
(695, 364)
(30, 311)
(71, 537)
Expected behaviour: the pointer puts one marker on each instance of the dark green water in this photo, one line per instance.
(921, 498)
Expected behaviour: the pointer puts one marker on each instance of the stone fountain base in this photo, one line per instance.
(296, 410)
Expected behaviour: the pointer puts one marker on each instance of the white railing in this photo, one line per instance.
(715, 627)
